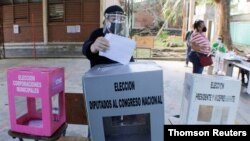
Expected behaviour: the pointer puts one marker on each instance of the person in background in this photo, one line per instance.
(115, 23)
(218, 51)
(200, 46)
(243, 72)
(188, 45)
(244, 77)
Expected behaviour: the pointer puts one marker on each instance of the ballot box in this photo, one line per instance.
(36, 99)
(125, 102)
(209, 99)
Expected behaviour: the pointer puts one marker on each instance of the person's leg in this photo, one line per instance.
(187, 56)
(247, 74)
(242, 71)
(186, 61)
(200, 69)
(188, 52)
(191, 58)
(197, 67)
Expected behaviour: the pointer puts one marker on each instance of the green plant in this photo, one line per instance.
(163, 35)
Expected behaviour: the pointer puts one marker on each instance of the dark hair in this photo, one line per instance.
(197, 24)
(220, 37)
(114, 9)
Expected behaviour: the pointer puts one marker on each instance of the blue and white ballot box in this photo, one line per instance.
(210, 99)
(125, 102)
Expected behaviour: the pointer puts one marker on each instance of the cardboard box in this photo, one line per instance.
(210, 99)
(36, 99)
(125, 102)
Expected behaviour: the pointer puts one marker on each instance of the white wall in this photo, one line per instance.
(104, 5)
(243, 6)
(108, 3)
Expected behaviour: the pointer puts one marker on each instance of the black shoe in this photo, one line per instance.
(244, 84)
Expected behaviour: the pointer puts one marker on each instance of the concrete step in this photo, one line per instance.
(44, 51)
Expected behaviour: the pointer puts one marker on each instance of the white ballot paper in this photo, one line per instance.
(120, 50)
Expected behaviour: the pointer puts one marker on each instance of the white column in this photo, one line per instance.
(102, 7)
(191, 14)
(45, 21)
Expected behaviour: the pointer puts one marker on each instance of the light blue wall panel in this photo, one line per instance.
(240, 33)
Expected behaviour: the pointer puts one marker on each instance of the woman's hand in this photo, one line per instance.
(100, 44)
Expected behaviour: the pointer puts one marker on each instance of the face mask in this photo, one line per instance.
(115, 28)
(204, 29)
(116, 24)
(219, 41)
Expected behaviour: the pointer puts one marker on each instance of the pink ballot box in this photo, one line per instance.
(36, 99)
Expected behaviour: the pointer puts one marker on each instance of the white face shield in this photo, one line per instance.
(116, 24)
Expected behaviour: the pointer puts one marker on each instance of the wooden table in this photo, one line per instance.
(71, 138)
(230, 64)
(242, 66)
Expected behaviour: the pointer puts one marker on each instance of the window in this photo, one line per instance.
(20, 1)
(21, 11)
(34, 1)
(65, 10)
(55, 1)
(56, 12)
(31, 109)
